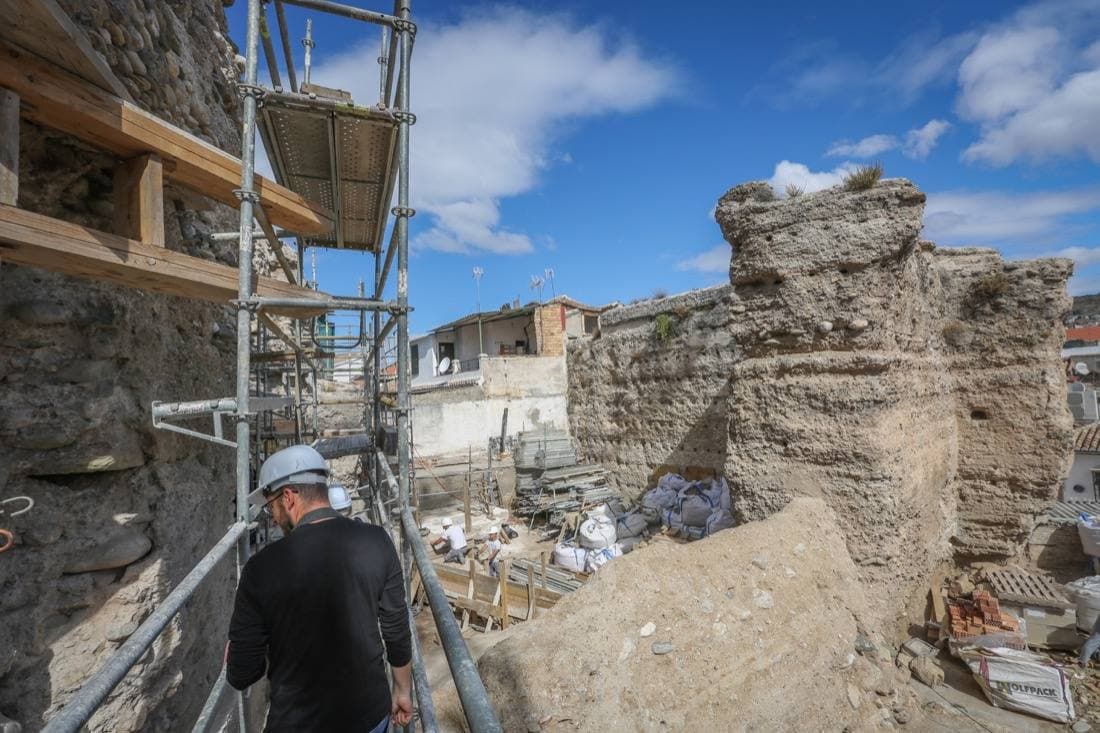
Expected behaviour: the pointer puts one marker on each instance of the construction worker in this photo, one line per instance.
(339, 499)
(317, 609)
(455, 540)
(493, 543)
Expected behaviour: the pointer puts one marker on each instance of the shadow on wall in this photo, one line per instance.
(701, 452)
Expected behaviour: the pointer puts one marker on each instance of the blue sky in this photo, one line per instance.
(596, 139)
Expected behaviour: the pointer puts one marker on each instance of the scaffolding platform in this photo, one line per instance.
(337, 155)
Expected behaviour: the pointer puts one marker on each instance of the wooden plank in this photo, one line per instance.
(27, 238)
(139, 199)
(504, 594)
(43, 28)
(469, 594)
(56, 99)
(9, 147)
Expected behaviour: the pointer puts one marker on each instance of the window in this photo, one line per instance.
(414, 357)
(591, 323)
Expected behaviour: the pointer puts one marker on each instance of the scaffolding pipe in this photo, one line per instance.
(391, 250)
(308, 43)
(269, 53)
(326, 303)
(82, 705)
(284, 37)
(249, 200)
(211, 705)
(345, 11)
(256, 234)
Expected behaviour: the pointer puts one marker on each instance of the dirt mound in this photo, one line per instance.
(754, 628)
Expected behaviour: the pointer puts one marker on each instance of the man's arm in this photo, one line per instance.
(246, 655)
(393, 610)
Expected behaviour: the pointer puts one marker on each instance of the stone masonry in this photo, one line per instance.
(917, 390)
(123, 512)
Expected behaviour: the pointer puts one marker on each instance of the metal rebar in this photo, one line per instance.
(284, 37)
(269, 54)
(85, 701)
(346, 11)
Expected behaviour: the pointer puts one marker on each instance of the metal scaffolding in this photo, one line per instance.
(346, 159)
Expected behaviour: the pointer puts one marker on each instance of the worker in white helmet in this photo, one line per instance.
(321, 611)
(339, 499)
(452, 541)
(494, 547)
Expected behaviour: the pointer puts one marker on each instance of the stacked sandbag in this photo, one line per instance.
(1085, 592)
(1088, 529)
(690, 509)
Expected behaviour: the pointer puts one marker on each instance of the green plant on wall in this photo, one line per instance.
(663, 327)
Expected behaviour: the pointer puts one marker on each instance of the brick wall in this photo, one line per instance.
(550, 330)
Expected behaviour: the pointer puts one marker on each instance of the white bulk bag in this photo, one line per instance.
(1085, 592)
(598, 558)
(695, 507)
(571, 557)
(1022, 681)
(1088, 528)
(596, 533)
(720, 519)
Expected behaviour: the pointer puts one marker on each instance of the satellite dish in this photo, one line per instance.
(445, 365)
(1080, 369)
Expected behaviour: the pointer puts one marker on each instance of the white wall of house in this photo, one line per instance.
(447, 421)
(427, 357)
(1080, 474)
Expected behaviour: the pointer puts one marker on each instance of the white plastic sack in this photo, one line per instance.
(720, 519)
(596, 533)
(630, 525)
(1088, 528)
(696, 507)
(661, 498)
(1085, 592)
(602, 512)
(673, 481)
(1022, 681)
(723, 491)
(571, 557)
(598, 558)
(671, 519)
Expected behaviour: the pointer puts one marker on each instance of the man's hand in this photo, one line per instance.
(401, 709)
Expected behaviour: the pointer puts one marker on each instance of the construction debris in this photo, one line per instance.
(982, 616)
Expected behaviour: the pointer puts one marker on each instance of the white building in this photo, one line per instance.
(1083, 483)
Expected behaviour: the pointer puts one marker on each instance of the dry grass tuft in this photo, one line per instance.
(863, 178)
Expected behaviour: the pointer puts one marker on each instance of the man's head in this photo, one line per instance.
(289, 503)
(493, 532)
(446, 522)
(292, 481)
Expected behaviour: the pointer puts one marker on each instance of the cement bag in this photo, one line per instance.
(718, 520)
(630, 525)
(1085, 592)
(660, 498)
(598, 558)
(596, 533)
(696, 507)
(671, 519)
(1089, 530)
(569, 556)
(1021, 681)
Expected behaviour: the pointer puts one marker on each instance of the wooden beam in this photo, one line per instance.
(43, 28)
(54, 98)
(9, 147)
(139, 200)
(40, 241)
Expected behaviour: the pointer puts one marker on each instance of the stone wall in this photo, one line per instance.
(123, 512)
(916, 390)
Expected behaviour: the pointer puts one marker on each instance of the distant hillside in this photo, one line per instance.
(1086, 309)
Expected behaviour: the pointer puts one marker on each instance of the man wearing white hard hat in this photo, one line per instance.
(339, 499)
(321, 610)
(455, 540)
(494, 546)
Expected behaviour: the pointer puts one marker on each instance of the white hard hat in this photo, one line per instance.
(298, 464)
(494, 530)
(446, 521)
(338, 497)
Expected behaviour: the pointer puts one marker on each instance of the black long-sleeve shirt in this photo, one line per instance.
(314, 609)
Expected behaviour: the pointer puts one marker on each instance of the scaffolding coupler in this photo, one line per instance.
(165, 412)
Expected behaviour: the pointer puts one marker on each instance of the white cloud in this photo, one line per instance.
(809, 181)
(921, 61)
(920, 141)
(868, 147)
(995, 217)
(715, 259)
(492, 92)
(1033, 85)
(1081, 255)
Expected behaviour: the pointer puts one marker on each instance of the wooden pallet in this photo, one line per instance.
(1020, 586)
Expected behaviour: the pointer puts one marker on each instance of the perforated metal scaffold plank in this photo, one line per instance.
(338, 156)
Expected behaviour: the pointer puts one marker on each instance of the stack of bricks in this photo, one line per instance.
(979, 616)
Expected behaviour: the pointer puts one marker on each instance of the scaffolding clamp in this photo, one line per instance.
(401, 25)
(406, 211)
(402, 116)
(255, 91)
(250, 196)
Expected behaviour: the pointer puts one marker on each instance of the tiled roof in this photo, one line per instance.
(1083, 333)
(1087, 439)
